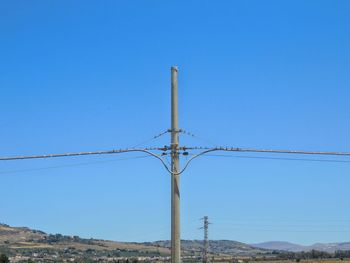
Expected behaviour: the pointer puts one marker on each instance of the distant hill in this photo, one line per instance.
(23, 237)
(286, 246)
(280, 245)
(331, 247)
(227, 247)
(24, 243)
(28, 243)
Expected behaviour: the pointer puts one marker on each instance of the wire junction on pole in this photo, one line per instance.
(181, 150)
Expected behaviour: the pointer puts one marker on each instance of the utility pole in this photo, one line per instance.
(175, 169)
(206, 240)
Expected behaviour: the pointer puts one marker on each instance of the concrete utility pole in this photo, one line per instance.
(206, 240)
(175, 168)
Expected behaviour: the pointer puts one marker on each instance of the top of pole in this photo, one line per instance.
(174, 107)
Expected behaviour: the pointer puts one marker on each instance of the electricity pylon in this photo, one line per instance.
(175, 150)
(205, 226)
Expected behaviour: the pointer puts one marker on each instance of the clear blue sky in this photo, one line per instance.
(92, 75)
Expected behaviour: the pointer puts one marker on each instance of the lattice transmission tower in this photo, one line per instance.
(205, 227)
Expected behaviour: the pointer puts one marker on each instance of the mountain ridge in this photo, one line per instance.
(28, 243)
(292, 247)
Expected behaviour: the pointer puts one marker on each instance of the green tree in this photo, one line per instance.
(4, 258)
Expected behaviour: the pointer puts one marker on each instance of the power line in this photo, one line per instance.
(75, 154)
(151, 139)
(198, 137)
(277, 158)
(206, 150)
(72, 165)
(238, 149)
(287, 231)
(278, 219)
(232, 149)
(175, 150)
(288, 225)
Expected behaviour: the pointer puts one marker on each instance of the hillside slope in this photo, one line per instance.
(28, 242)
(25, 242)
(227, 247)
(286, 246)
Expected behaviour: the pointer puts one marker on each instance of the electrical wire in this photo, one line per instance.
(277, 158)
(166, 148)
(72, 165)
(146, 150)
(234, 149)
(198, 137)
(151, 139)
(286, 230)
(288, 225)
